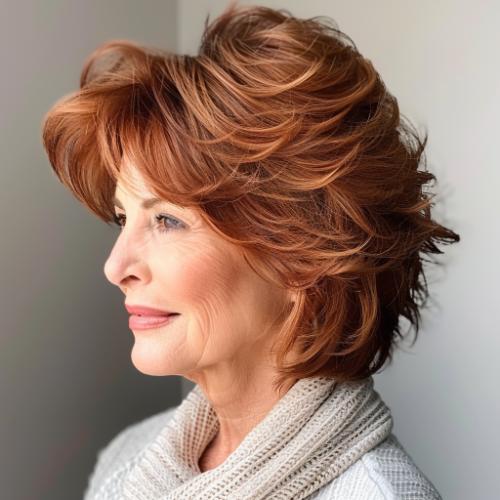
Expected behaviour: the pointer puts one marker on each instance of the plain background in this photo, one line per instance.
(67, 385)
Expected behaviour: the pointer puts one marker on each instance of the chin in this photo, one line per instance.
(151, 363)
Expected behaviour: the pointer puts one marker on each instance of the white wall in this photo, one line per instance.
(440, 59)
(67, 384)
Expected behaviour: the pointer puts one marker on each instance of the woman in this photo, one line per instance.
(273, 225)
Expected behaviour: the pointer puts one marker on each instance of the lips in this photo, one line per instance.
(147, 311)
(148, 322)
(145, 317)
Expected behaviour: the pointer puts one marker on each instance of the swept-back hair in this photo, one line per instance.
(284, 138)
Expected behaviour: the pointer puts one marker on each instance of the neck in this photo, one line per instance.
(239, 408)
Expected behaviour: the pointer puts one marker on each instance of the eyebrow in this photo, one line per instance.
(147, 203)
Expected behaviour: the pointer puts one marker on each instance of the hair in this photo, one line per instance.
(285, 140)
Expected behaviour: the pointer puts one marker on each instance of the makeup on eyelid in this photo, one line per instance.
(177, 224)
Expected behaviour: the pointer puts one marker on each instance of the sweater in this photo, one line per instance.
(386, 472)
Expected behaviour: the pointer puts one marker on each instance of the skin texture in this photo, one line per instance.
(221, 340)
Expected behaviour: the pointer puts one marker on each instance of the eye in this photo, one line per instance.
(173, 222)
(164, 222)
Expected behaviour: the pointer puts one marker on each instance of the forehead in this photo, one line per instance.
(131, 182)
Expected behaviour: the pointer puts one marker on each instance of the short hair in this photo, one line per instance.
(286, 141)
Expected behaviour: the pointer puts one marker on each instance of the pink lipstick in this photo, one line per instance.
(144, 317)
(146, 322)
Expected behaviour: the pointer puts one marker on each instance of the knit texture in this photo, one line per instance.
(322, 440)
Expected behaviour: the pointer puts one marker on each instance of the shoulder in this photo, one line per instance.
(386, 472)
(118, 455)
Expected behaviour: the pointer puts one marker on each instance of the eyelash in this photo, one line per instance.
(118, 218)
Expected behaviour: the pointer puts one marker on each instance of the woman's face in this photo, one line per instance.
(178, 264)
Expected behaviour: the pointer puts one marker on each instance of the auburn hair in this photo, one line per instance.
(285, 140)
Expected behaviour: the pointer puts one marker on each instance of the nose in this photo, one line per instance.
(124, 266)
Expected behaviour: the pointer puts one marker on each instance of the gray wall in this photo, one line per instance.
(440, 59)
(67, 384)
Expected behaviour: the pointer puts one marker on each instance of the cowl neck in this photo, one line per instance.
(310, 436)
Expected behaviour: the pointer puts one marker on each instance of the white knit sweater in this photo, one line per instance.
(386, 472)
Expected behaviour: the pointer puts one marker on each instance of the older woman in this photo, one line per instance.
(273, 225)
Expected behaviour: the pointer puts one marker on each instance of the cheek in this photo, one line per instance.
(202, 284)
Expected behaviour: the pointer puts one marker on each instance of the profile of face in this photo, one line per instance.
(166, 257)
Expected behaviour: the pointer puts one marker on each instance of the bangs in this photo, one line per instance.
(131, 112)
